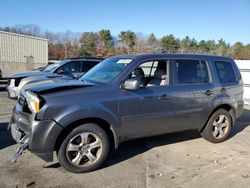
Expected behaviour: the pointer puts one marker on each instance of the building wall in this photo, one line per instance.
(21, 52)
(244, 66)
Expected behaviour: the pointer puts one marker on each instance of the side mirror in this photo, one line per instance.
(131, 84)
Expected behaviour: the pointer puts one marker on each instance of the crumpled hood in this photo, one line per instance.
(30, 73)
(57, 85)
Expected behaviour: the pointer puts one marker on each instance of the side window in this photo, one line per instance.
(190, 72)
(152, 73)
(87, 65)
(74, 66)
(225, 71)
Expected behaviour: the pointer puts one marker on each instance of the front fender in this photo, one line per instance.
(72, 114)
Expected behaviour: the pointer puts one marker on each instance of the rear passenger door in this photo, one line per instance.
(193, 90)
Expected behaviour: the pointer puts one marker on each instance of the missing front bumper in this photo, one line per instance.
(19, 137)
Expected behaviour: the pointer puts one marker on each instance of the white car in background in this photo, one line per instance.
(72, 68)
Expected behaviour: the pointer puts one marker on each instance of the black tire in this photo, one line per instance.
(209, 129)
(64, 155)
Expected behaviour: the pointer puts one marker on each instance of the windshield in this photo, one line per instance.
(53, 66)
(106, 71)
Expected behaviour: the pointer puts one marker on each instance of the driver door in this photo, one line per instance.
(148, 110)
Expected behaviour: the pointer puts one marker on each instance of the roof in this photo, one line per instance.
(86, 57)
(21, 35)
(165, 55)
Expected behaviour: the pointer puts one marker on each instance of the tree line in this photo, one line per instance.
(103, 44)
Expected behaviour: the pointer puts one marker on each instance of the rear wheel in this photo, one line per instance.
(84, 149)
(218, 127)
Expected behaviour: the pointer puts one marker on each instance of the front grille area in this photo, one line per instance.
(17, 81)
(8, 81)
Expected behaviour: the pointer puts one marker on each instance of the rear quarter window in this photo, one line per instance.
(225, 71)
(87, 65)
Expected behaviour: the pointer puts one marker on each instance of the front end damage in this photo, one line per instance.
(38, 136)
(20, 137)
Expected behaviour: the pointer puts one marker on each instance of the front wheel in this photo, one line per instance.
(84, 149)
(218, 127)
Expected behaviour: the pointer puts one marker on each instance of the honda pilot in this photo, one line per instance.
(127, 97)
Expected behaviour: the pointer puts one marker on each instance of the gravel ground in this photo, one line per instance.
(174, 160)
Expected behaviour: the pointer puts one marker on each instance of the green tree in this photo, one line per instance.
(106, 38)
(203, 46)
(211, 44)
(222, 47)
(185, 44)
(170, 44)
(127, 39)
(237, 50)
(193, 46)
(106, 42)
(89, 41)
(153, 43)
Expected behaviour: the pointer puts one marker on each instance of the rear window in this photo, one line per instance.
(73, 66)
(87, 65)
(225, 71)
(190, 72)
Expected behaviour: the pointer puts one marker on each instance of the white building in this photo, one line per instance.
(21, 52)
(244, 66)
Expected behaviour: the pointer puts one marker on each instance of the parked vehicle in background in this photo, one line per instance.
(49, 63)
(128, 97)
(52, 62)
(74, 68)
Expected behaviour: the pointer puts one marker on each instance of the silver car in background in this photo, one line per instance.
(72, 68)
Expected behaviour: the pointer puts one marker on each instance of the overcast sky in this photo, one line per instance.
(210, 19)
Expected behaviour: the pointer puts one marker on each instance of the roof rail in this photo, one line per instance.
(85, 57)
(91, 57)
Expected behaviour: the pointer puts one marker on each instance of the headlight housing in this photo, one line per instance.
(34, 103)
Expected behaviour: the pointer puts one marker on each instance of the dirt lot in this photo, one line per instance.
(174, 160)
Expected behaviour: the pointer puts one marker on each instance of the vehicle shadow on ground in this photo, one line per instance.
(6, 139)
(132, 148)
(129, 149)
(242, 123)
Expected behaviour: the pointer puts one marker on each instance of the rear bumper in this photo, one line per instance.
(41, 135)
(240, 109)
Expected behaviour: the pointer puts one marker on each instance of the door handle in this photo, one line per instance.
(165, 97)
(209, 92)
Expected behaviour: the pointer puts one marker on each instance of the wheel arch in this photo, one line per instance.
(227, 107)
(105, 125)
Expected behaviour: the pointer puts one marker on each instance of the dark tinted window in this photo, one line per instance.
(204, 70)
(87, 65)
(74, 66)
(225, 71)
(190, 71)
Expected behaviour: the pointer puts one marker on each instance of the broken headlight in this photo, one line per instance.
(33, 101)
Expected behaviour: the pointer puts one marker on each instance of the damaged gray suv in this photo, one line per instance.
(127, 97)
